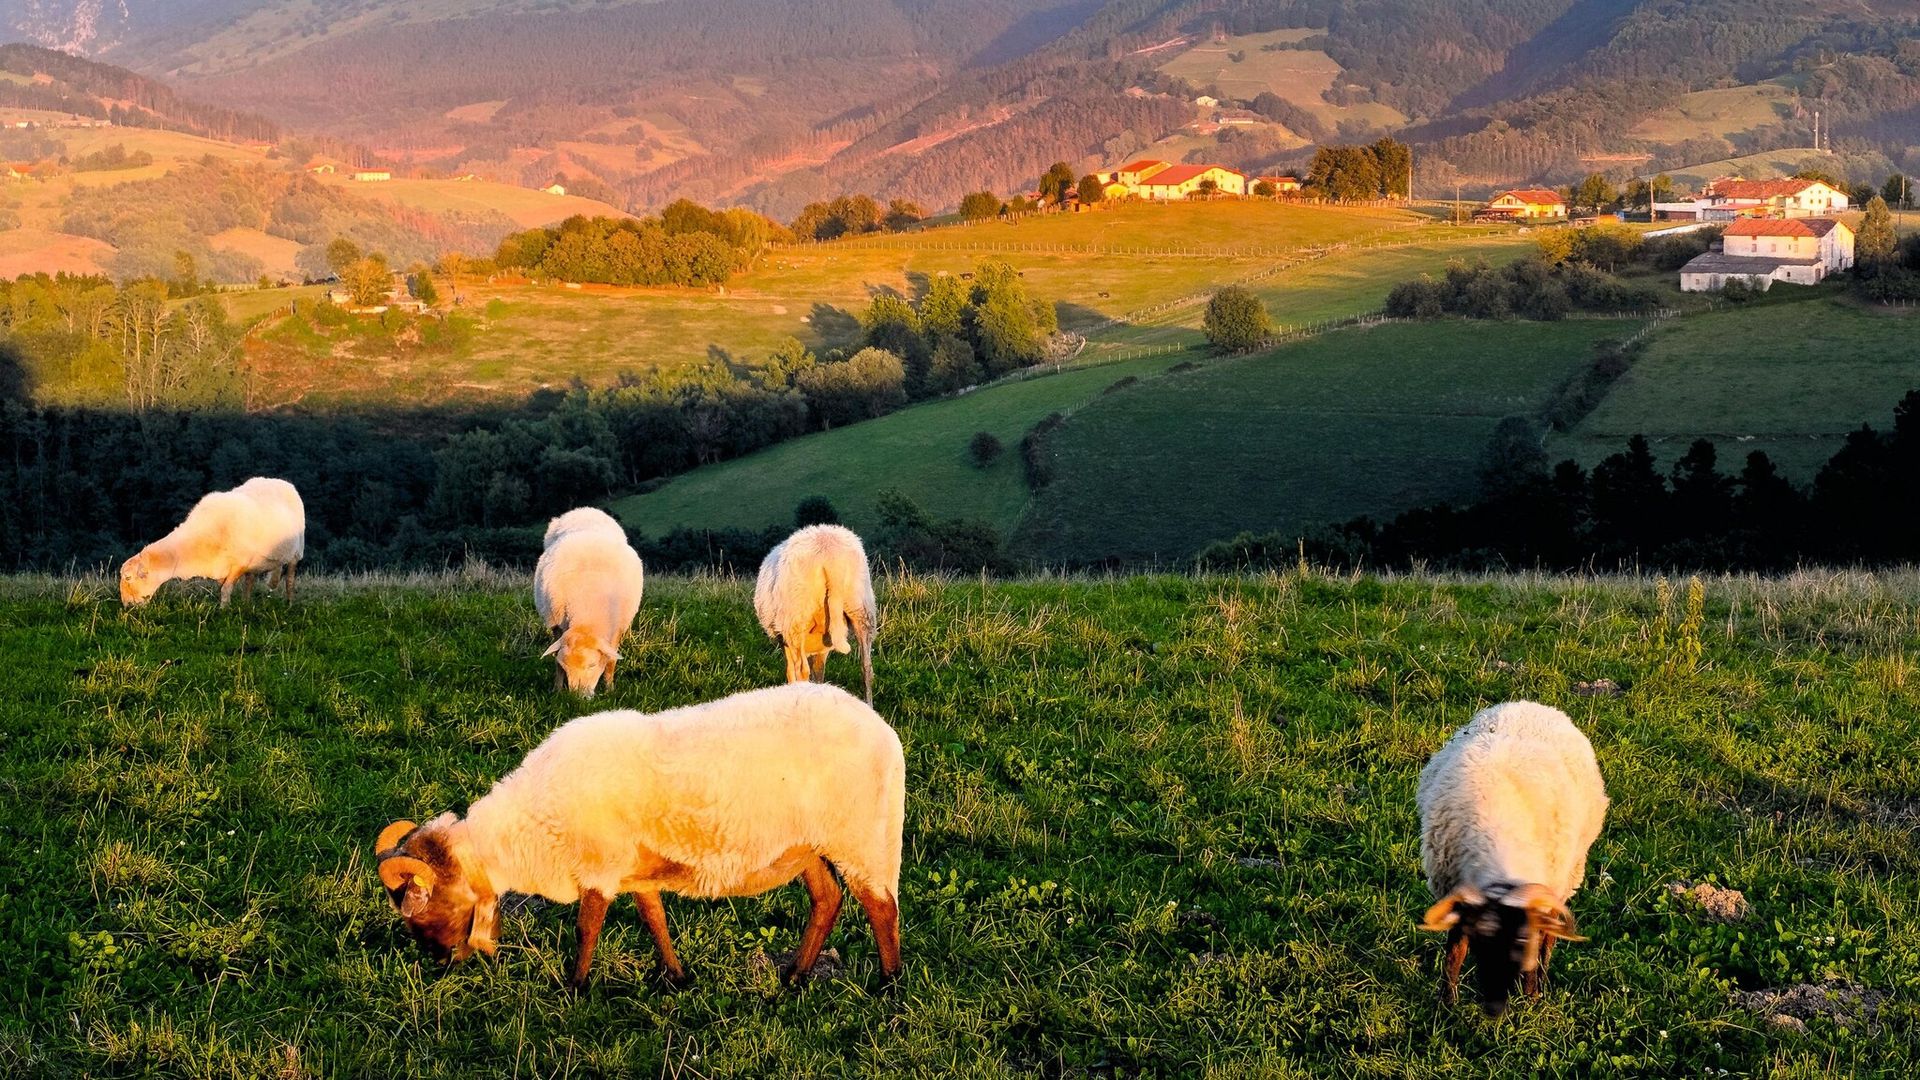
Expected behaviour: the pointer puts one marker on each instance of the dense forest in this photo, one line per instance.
(104, 92)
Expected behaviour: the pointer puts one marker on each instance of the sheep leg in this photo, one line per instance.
(865, 633)
(593, 912)
(796, 664)
(819, 665)
(655, 914)
(246, 591)
(1538, 975)
(608, 673)
(1450, 973)
(826, 908)
(883, 911)
(286, 580)
(226, 588)
(559, 677)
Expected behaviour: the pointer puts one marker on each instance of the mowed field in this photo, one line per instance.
(1790, 377)
(1358, 421)
(1155, 827)
(1240, 66)
(1720, 113)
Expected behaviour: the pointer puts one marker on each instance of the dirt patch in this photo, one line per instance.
(1598, 688)
(1720, 905)
(1788, 1009)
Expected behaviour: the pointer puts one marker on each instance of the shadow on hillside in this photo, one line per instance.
(1079, 318)
(16, 383)
(832, 327)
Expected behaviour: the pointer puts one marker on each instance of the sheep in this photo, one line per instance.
(259, 528)
(810, 588)
(587, 589)
(1508, 808)
(734, 797)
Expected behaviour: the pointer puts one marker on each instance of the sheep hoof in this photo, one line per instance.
(670, 979)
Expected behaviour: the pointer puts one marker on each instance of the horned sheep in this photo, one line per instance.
(259, 528)
(1508, 808)
(731, 798)
(812, 588)
(587, 588)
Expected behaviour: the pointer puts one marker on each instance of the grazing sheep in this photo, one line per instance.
(1508, 808)
(587, 588)
(811, 586)
(730, 798)
(259, 528)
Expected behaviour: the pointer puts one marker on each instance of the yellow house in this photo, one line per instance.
(1525, 204)
(1182, 181)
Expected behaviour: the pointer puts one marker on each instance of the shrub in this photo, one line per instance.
(1236, 320)
(814, 510)
(984, 448)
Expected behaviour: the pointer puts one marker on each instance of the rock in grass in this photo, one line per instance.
(827, 968)
(1720, 905)
(1787, 1009)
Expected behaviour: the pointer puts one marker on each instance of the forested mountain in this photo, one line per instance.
(776, 103)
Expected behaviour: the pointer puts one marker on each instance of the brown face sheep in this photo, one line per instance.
(812, 589)
(587, 589)
(258, 529)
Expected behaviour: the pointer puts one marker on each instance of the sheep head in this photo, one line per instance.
(1506, 928)
(142, 576)
(436, 886)
(584, 659)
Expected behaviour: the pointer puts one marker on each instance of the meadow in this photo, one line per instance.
(1357, 421)
(1721, 112)
(1155, 826)
(1241, 66)
(1790, 376)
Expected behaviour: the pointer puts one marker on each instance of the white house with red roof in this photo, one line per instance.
(1775, 198)
(1523, 204)
(1761, 251)
(1151, 178)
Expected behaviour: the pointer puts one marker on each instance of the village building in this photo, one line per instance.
(1185, 181)
(1523, 204)
(1283, 185)
(372, 175)
(554, 189)
(1761, 251)
(1775, 198)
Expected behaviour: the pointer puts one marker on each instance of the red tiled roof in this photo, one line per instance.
(1781, 227)
(1180, 174)
(1140, 166)
(1534, 196)
(1759, 189)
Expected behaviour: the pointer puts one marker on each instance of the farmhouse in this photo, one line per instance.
(554, 189)
(372, 175)
(1134, 173)
(1523, 204)
(1771, 198)
(1182, 181)
(1283, 185)
(1801, 251)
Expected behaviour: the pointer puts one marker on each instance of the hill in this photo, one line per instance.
(1184, 806)
(776, 105)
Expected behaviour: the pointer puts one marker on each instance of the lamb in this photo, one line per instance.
(731, 798)
(587, 589)
(259, 528)
(811, 587)
(1508, 808)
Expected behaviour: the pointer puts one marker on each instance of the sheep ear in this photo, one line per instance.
(609, 652)
(405, 871)
(554, 648)
(392, 835)
(1442, 916)
(1553, 919)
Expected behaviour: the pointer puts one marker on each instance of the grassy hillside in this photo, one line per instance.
(1155, 826)
(1790, 377)
(1242, 67)
(1353, 422)
(1761, 166)
(1720, 113)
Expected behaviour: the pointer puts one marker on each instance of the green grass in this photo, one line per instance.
(922, 451)
(1155, 826)
(1298, 75)
(1719, 113)
(1361, 421)
(1790, 376)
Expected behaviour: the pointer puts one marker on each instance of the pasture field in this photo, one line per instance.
(921, 450)
(1155, 826)
(477, 198)
(1719, 113)
(1241, 67)
(1357, 421)
(1791, 376)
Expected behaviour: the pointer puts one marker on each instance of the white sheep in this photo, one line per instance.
(587, 589)
(730, 798)
(811, 587)
(1508, 808)
(259, 527)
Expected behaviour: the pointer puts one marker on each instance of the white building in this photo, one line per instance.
(1761, 251)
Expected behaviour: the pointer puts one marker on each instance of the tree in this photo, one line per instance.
(1236, 320)
(368, 280)
(984, 448)
(1092, 191)
(1056, 182)
(1660, 188)
(1208, 188)
(902, 213)
(1595, 193)
(420, 285)
(1898, 191)
(943, 311)
(1514, 459)
(980, 206)
(1822, 176)
(1874, 244)
(814, 510)
(1265, 189)
(341, 254)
